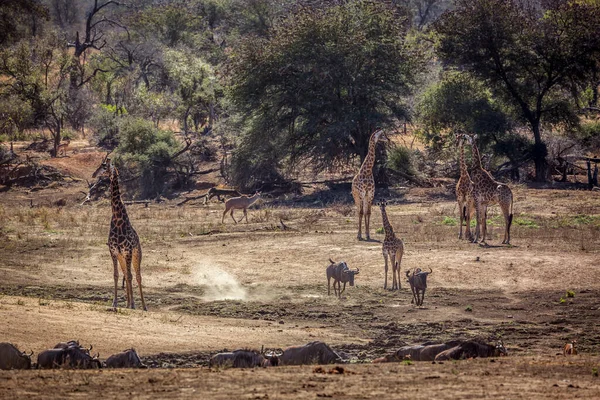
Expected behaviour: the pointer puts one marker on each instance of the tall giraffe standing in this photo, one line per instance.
(392, 247)
(464, 191)
(487, 192)
(363, 185)
(123, 242)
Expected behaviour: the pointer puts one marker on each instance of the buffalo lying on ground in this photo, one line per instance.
(126, 359)
(13, 358)
(310, 353)
(472, 349)
(425, 352)
(246, 358)
(68, 355)
(53, 358)
(453, 350)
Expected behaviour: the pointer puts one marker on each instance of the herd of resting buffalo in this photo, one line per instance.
(72, 355)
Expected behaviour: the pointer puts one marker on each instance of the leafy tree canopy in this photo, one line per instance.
(525, 51)
(321, 82)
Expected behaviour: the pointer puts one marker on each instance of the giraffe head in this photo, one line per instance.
(379, 134)
(460, 138)
(105, 169)
(471, 139)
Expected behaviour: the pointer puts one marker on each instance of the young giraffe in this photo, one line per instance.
(392, 247)
(123, 242)
(464, 191)
(363, 185)
(487, 192)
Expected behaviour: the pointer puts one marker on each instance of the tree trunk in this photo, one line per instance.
(540, 151)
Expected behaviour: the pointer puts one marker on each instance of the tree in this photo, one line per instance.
(527, 52)
(320, 83)
(37, 73)
(194, 82)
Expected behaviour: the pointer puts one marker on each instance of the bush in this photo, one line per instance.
(589, 134)
(400, 160)
(105, 123)
(147, 152)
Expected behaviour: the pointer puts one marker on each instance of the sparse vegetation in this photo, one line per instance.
(469, 308)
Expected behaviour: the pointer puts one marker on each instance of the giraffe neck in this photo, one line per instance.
(118, 208)
(389, 231)
(463, 165)
(476, 156)
(367, 165)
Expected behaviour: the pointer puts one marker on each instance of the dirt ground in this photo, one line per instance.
(211, 286)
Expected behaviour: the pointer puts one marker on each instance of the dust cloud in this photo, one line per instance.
(220, 285)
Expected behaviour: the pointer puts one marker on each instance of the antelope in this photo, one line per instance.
(570, 349)
(242, 202)
(63, 147)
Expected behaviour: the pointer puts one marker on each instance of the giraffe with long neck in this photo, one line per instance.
(464, 191)
(487, 192)
(123, 241)
(363, 186)
(393, 248)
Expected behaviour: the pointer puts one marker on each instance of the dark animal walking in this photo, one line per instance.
(340, 274)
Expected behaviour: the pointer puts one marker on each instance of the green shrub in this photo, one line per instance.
(570, 293)
(146, 152)
(380, 230)
(401, 160)
(105, 123)
(450, 221)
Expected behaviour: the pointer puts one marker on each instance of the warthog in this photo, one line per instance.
(425, 352)
(13, 358)
(470, 349)
(340, 274)
(126, 359)
(418, 284)
(310, 353)
(247, 358)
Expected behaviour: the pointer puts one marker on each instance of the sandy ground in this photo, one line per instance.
(211, 286)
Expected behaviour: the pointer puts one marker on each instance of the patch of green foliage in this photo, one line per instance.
(469, 308)
(570, 293)
(450, 221)
(380, 230)
(525, 222)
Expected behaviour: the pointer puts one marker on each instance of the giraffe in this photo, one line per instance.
(123, 242)
(487, 192)
(392, 248)
(363, 185)
(464, 191)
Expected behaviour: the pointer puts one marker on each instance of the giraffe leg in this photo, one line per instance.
(123, 264)
(360, 218)
(394, 265)
(137, 267)
(460, 210)
(385, 257)
(398, 262)
(367, 220)
(505, 205)
(483, 225)
(116, 276)
(478, 219)
(129, 282)
(468, 208)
